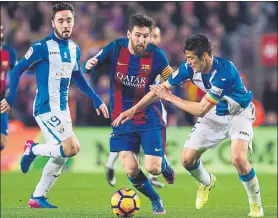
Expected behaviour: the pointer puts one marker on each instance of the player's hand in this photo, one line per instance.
(104, 110)
(5, 107)
(91, 63)
(161, 91)
(123, 117)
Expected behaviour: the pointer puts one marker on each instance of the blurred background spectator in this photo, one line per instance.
(243, 32)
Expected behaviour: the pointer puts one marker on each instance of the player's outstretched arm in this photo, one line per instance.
(92, 62)
(100, 57)
(84, 86)
(194, 108)
(32, 56)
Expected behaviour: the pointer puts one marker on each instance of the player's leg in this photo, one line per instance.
(128, 146)
(63, 138)
(155, 162)
(206, 133)
(50, 174)
(140, 181)
(241, 134)
(110, 170)
(60, 142)
(154, 178)
(4, 130)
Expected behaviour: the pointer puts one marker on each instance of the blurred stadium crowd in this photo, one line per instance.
(233, 27)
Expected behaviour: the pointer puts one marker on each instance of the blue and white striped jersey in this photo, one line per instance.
(223, 85)
(55, 62)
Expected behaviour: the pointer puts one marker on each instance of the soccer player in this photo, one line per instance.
(56, 60)
(113, 156)
(8, 61)
(225, 111)
(134, 66)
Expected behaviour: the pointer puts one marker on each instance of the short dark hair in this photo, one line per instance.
(141, 21)
(199, 44)
(62, 6)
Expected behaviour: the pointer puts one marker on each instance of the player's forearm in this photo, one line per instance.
(194, 108)
(14, 81)
(84, 86)
(149, 98)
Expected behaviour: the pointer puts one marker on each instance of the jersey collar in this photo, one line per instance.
(214, 64)
(61, 41)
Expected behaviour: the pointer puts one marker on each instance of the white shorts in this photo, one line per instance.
(210, 130)
(56, 126)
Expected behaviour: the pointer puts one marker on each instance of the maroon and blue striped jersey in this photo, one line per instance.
(131, 77)
(8, 61)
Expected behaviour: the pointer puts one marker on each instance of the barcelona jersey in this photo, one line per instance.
(8, 61)
(130, 80)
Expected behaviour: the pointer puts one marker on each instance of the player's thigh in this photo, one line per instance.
(4, 124)
(55, 126)
(206, 133)
(127, 141)
(242, 127)
(239, 149)
(152, 142)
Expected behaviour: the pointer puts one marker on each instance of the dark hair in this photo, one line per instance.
(141, 21)
(62, 6)
(199, 44)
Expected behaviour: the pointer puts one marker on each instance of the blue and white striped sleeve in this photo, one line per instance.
(83, 84)
(32, 56)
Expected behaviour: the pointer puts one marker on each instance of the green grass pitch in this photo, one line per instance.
(88, 195)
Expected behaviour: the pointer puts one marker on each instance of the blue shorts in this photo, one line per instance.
(151, 141)
(4, 123)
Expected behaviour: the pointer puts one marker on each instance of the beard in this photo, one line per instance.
(63, 35)
(138, 49)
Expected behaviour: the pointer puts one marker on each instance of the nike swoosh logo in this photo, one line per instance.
(156, 149)
(121, 64)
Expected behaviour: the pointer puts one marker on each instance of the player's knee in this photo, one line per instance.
(76, 148)
(187, 162)
(132, 171)
(239, 160)
(153, 168)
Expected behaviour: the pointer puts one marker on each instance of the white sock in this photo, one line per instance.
(252, 188)
(48, 150)
(50, 174)
(199, 173)
(111, 159)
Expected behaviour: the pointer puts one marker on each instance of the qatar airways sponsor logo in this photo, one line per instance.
(132, 81)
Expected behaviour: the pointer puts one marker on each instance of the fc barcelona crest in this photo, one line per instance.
(146, 68)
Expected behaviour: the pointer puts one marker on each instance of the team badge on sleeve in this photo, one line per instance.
(28, 53)
(215, 90)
